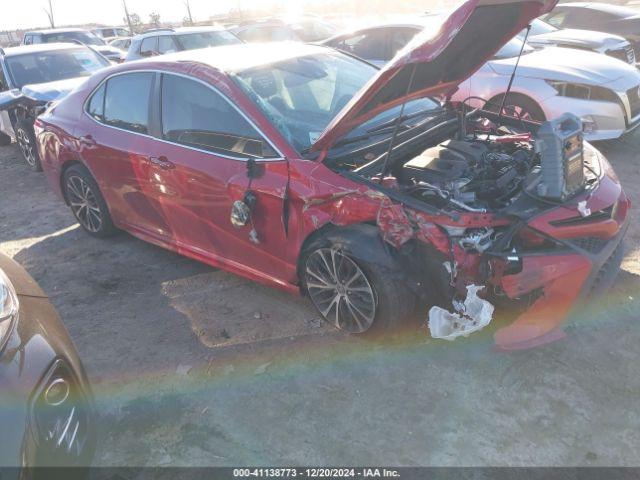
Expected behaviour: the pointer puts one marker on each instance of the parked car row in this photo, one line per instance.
(371, 190)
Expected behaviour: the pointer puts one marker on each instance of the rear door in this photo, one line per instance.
(199, 168)
(114, 143)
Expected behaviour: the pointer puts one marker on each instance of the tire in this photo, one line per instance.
(87, 203)
(371, 298)
(26, 139)
(518, 106)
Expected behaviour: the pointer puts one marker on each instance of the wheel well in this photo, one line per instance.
(497, 99)
(363, 241)
(66, 166)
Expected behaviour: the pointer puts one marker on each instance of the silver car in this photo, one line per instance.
(602, 90)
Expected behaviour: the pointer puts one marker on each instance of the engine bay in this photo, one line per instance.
(487, 172)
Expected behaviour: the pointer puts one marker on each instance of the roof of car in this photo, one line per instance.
(40, 47)
(602, 7)
(179, 30)
(234, 58)
(57, 30)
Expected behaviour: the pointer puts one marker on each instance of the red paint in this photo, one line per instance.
(187, 208)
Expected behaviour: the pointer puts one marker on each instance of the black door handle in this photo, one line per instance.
(161, 162)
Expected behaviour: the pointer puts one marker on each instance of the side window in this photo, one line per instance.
(368, 45)
(149, 47)
(166, 44)
(196, 116)
(95, 108)
(126, 103)
(556, 18)
(399, 38)
(36, 39)
(3, 81)
(28, 39)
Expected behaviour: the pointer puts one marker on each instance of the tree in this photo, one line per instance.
(154, 19)
(49, 13)
(134, 22)
(189, 17)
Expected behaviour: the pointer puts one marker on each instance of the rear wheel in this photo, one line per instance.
(26, 139)
(87, 203)
(352, 294)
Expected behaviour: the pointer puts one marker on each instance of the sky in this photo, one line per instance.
(23, 14)
(30, 13)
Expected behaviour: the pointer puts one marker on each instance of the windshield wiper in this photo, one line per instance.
(404, 118)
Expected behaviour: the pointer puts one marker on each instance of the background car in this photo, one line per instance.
(598, 16)
(110, 33)
(122, 43)
(74, 35)
(47, 407)
(600, 89)
(169, 40)
(265, 31)
(310, 28)
(32, 76)
(544, 34)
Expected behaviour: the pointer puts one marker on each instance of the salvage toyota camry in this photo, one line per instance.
(307, 169)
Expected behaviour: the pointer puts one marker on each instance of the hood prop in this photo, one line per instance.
(513, 75)
(398, 122)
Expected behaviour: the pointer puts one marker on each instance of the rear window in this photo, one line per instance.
(126, 102)
(44, 67)
(192, 41)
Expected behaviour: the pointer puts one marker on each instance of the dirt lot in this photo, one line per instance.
(193, 366)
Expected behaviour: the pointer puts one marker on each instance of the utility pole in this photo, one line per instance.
(186, 4)
(50, 15)
(126, 15)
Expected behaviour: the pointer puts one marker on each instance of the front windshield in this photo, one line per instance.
(300, 96)
(512, 49)
(538, 27)
(44, 67)
(83, 37)
(192, 41)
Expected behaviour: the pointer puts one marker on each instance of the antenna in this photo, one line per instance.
(513, 74)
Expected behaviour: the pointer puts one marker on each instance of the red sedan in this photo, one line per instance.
(311, 171)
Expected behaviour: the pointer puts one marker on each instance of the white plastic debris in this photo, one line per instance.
(583, 209)
(471, 316)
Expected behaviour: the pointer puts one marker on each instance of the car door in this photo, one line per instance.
(113, 141)
(199, 169)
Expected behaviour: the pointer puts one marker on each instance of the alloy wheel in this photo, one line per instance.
(26, 147)
(84, 204)
(340, 290)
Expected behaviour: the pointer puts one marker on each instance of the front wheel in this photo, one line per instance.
(354, 295)
(87, 203)
(26, 139)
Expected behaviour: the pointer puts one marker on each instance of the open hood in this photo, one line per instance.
(434, 64)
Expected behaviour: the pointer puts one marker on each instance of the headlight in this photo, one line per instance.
(584, 92)
(8, 306)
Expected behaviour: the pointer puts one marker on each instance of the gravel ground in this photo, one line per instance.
(194, 366)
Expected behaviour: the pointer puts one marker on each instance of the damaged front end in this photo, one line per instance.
(535, 219)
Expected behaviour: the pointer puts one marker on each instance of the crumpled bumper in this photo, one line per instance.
(563, 281)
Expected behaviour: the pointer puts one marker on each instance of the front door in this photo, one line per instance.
(198, 168)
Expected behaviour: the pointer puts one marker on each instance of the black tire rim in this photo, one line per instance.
(26, 146)
(340, 290)
(84, 204)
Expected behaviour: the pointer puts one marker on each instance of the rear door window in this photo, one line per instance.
(196, 116)
(126, 102)
(95, 108)
(166, 44)
(149, 47)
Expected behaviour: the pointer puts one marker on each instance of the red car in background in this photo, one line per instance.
(309, 170)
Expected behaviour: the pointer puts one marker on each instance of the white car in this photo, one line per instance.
(602, 90)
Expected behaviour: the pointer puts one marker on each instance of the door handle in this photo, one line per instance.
(161, 162)
(88, 140)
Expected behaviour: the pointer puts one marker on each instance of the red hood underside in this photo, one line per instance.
(434, 64)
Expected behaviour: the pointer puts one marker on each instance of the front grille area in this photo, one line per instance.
(633, 94)
(592, 245)
(626, 54)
